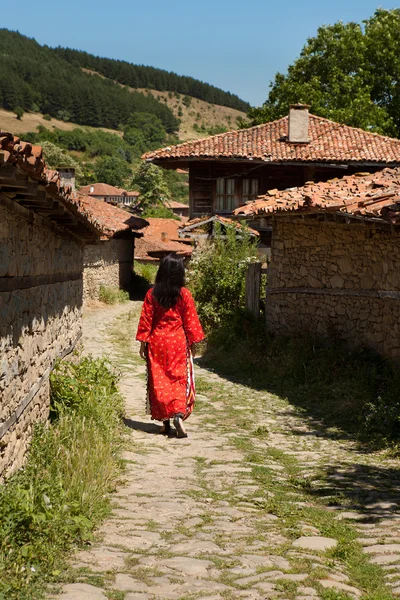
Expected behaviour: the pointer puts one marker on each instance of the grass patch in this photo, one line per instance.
(112, 295)
(57, 499)
(347, 391)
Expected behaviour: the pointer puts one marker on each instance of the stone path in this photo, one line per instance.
(257, 503)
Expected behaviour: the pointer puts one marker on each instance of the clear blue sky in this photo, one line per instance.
(235, 45)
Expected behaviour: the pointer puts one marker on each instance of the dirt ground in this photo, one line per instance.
(259, 502)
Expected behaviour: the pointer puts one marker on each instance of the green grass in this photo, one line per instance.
(112, 295)
(62, 493)
(349, 392)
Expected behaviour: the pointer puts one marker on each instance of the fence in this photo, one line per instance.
(253, 288)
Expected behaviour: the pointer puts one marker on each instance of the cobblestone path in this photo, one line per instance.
(259, 502)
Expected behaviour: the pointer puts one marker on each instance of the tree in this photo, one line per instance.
(111, 170)
(149, 179)
(55, 157)
(145, 127)
(349, 73)
(19, 111)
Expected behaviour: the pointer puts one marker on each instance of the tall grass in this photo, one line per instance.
(112, 295)
(60, 495)
(353, 390)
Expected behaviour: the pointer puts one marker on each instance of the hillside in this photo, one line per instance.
(31, 122)
(140, 76)
(198, 118)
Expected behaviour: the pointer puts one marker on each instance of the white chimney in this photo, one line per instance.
(298, 123)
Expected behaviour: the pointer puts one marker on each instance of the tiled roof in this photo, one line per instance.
(104, 189)
(161, 236)
(22, 159)
(367, 196)
(108, 218)
(191, 227)
(173, 204)
(330, 142)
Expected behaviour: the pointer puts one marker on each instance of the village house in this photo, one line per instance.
(160, 238)
(110, 194)
(230, 169)
(335, 264)
(179, 209)
(110, 262)
(42, 235)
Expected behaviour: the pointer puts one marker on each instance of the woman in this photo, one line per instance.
(168, 329)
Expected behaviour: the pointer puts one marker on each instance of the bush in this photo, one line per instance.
(47, 117)
(61, 494)
(217, 276)
(147, 271)
(19, 112)
(159, 212)
(112, 295)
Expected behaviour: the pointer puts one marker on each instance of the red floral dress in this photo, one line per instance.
(169, 333)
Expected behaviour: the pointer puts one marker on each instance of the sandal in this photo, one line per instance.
(180, 430)
(166, 428)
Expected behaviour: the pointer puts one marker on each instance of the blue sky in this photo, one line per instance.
(234, 45)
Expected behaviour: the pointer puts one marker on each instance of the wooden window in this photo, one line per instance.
(225, 195)
(249, 189)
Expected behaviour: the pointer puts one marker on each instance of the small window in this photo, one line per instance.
(249, 189)
(225, 195)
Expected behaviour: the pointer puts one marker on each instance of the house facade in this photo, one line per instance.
(110, 194)
(42, 238)
(335, 260)
(109, 263)
(229, 170)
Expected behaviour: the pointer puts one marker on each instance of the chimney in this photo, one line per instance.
(67, 176)
(298, 123)
(164, 236)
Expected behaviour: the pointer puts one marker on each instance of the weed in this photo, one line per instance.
(112, 295)
(61, 494)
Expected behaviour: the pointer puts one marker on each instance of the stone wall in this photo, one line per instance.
(40, 320)
(335, 279)
(108, 263)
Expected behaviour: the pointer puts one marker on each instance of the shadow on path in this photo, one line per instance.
(151, 428)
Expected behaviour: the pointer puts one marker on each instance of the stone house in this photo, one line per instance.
(110, 262)
(335, 266)
(42, 237)
(229, 170)
(178, 208)
(160, 238)
(109, 193)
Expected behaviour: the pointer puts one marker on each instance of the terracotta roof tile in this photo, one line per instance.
(104, 189)
(374, 196)
(108, 218)
(330, 142)
(161, 236)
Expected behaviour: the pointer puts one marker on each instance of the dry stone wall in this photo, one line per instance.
(108, 263)
(40, 320)
(335, 279)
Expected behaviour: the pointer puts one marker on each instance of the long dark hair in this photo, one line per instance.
(170, 279)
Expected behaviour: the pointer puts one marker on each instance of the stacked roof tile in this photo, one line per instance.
(160, 238)
(367, 196)
(329, 142)
(104, 189)
(109, 218)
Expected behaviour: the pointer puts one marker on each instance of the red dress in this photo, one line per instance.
(169, 333)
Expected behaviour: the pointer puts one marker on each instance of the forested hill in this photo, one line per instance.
(139, 76)
(36, 78)
(40, 79)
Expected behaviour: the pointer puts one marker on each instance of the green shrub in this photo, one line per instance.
(147, 271)
(159, 212)
(112, 295)
(61, 494)
(217, 276)
(47, 117)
